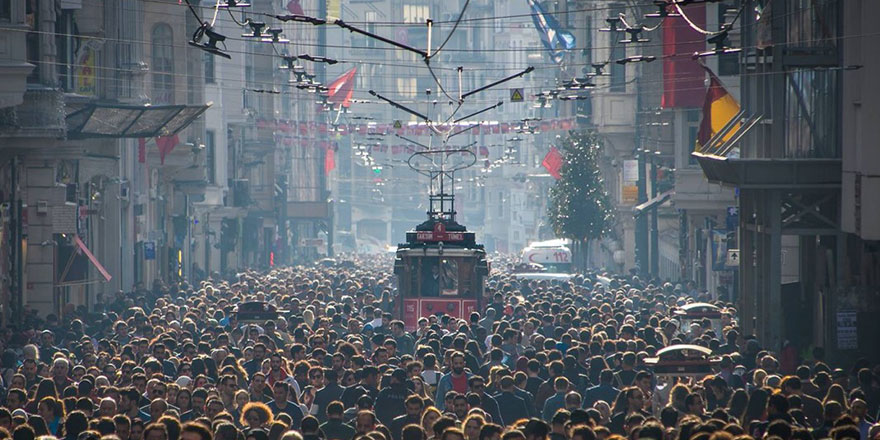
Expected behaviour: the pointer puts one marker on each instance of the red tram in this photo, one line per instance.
(440, 269)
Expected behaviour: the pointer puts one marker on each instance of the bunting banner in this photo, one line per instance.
(415, 129)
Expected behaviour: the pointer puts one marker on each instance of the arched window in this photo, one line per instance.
(162, 64)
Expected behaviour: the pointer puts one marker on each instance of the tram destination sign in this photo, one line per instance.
(439, 233)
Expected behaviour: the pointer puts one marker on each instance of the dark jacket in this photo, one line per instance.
(511, 407)
(400, 422)
(336, 429)
(324, 396)
(606, 393)
(390, 403)
(490, 405)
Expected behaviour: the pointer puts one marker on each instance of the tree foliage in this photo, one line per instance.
(579, 207)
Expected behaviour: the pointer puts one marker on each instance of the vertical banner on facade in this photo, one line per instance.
(85, 70)
(847, 330)
(682, 75)
(630, 192)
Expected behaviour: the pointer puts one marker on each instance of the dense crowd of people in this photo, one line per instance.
(542, 359)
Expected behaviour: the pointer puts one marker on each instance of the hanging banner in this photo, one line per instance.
(411, 129)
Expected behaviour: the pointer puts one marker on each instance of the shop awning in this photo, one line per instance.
(95, 120)
(650, 204)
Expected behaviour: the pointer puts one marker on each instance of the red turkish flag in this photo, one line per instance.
(342, 88)
(166, 144)
(553, 162)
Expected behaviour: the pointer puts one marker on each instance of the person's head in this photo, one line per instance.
(155, 431)
(280, 391)
(458, 363)
(651, 431)
(122, 425)
(477, 384)
(460, 405)
(227, 431)
(137, 429)
(777, 404)
(15, 399)
(582, 432)
(256, 415)
(310, 425)
(5, 419)
(859, 409)
(365, 421)
(75, 423)
(452, 433)
(195, 431)
(694, 404)
(107, 407)
(429, 416)
(791, 385)
(60, 368)
(50, 408)
(23, 432)
(442, 424)
(414, 405)
(491, 431)
(335, 410)
(536, 429)
(472, 425)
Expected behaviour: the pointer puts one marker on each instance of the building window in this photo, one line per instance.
(32, 39)
(5, 10)
(64, 42)
(162, 64)
(209, 68)
(407, 87)
(371, 17)
(211, 156)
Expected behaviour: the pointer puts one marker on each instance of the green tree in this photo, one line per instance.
(579, 207)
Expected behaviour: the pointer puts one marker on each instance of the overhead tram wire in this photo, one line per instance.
(422, 66)
(465, 21)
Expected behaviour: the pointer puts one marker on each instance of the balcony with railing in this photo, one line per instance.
(788, 132)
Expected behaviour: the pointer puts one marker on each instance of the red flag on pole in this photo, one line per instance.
(553, 162)
(166, 144)
(142, 150)
(341, 89)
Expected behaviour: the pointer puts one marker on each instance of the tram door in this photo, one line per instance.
(439, 284)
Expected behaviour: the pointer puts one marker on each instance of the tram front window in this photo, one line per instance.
(439, 277)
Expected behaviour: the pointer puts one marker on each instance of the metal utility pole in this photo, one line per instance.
(655, 229)
(642, 220)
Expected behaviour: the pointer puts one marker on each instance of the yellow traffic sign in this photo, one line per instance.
(516, 95)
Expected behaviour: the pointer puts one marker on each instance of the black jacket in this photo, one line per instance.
(511, 407)
(390, 403)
